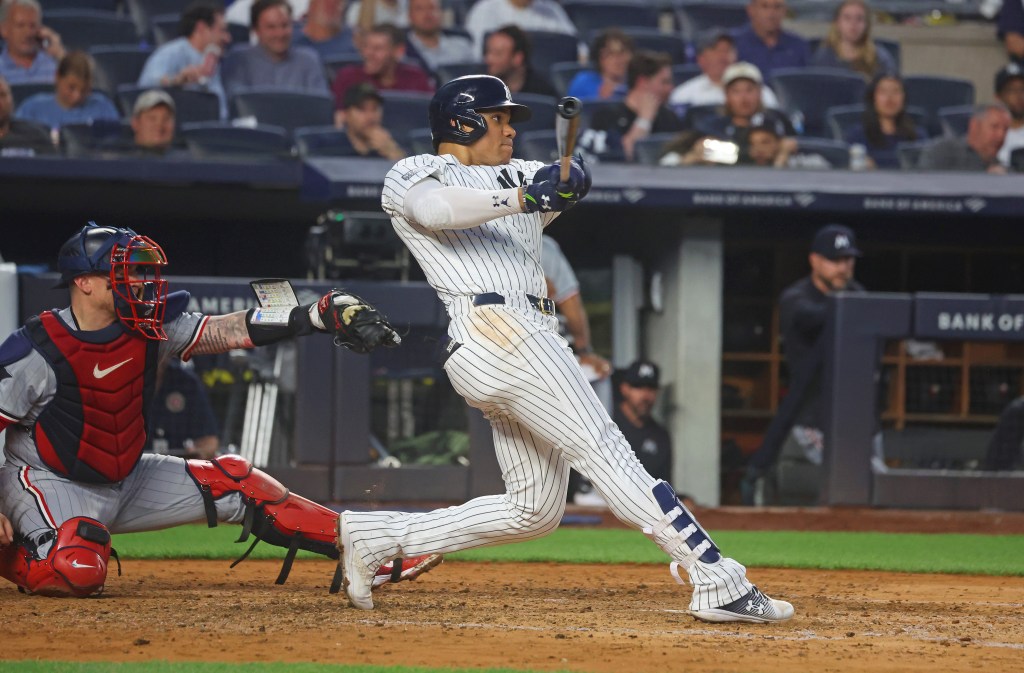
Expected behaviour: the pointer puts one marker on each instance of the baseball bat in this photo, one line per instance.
(566, 125)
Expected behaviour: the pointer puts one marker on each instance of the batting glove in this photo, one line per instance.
(580, 176)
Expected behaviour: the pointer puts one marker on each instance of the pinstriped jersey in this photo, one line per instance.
(502, 255)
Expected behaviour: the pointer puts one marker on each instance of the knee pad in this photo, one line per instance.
(678, 532)
(76, 564)
(272, 513)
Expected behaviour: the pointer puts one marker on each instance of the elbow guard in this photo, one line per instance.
(264, 333)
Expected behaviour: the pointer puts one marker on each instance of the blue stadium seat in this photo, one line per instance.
(697, 116)
(165, 27)
(419, 141)
(648, 150)
(116, 66)
(543, 109)
(909, 153)
(82, 140)
(216, 140)
(547, 48)
(954, 119)
(91, 5)
(192, 106)
(320, 141)
(446, 73)
(934, 92)
(22, 92)
(143, 12)
(835, 152)
(806, 93)
(283, 108)
(841, 118)
(537, 146)
(652, 39)
(695, 18)
(404, 111)
(1017, 160)
(81, 29)
(681, 72)
(562, 74)
(590, 15)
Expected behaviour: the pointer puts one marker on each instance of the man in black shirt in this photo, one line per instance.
(19, 138)
(362, 118)
(614, 130)
(649, 439)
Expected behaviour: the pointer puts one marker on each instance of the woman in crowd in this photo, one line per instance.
(849, 43)
(886, 122)
(73, 100)
(611, 52)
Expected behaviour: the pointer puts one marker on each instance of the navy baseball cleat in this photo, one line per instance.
(753, 607)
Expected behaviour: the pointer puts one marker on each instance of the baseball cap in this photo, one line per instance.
(150, 99)
(1008, 72)
(712, 36)
(835, 241)
(763, 122)
(357, 94)
(742, 70)
(641, 374)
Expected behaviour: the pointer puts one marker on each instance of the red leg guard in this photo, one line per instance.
(75, 566)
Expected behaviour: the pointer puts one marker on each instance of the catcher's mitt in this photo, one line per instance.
(356, 325)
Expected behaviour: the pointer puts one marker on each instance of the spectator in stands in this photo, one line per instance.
(764, 43)
(273, 61)
(73, 100)
(182, 422)
(324, 30)
(716, 51)
(849, 43)
(18, 138)
(193, 58)
(1010, 90)
(1005, 446)
(382, 50)
(31, 50)
(978, 151)
(240, 11)
(362, 16)
(545, 15)
(507, 57)
(744, 108)
(153, 122)
(1010, 24)
(428, 44)
(361, 116)
(886, 122)
(610, 53)
(615, 130)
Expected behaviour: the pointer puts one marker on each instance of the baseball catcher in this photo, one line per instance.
(75, 389)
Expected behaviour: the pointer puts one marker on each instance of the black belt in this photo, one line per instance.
(545, 306)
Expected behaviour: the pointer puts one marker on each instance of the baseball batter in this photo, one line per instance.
(75, 387)
(473, 217)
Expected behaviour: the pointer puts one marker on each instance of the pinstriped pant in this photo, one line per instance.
(157, 494)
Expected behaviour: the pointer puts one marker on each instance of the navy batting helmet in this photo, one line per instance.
(453, 109)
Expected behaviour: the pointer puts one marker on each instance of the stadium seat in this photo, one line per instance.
(165, 27)
(909, 153)
(695, 18)
(591, 15)
(697, 116)
(648, 150)
(143, 12)
(562, 74)
(192, 106)
(319, 141)
(651, 39)
(894, 49)
(835, 152)
(1017, 160)
(537, 146)
(682, 72)
(81, 140)
(933, 93)
(404, 111)
(547, 48)
(543, 109)
(81, 29)
(22, 92)
(336, 63)
(420, 142)
(116, 66)
(954, 119)
(841, 118)
(91, 5)
(806, 93)
(446, 73)
(286, 109)
(217, 140)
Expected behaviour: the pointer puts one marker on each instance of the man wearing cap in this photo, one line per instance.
(744, 108)
(361, 117)
(803, 308)
(764, 43)
(978, 150)
(153, 121)
(1010, 90)
(650, 441)
(716, 51)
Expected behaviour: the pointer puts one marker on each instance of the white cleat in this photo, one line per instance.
(753, 607)
(358, 577)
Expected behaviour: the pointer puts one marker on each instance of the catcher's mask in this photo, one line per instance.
(133, 264)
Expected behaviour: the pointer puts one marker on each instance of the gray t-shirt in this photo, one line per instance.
(250, 67)
(557, 270)
(951, 154)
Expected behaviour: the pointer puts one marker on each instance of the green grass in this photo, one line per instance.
(207, 667)
(924, 553)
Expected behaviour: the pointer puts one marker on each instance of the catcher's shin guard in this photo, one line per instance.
(272, 513)
(76, 564)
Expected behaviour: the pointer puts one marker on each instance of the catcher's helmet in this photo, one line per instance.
(453, 109)
(133, 264)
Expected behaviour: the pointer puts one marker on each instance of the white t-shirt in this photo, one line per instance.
(702, 91)
(239, 11)
(488, 15)
(1014, 140)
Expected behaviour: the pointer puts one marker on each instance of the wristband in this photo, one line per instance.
(643, 124)
(266, 333)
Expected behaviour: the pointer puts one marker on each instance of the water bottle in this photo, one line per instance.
(858, 157)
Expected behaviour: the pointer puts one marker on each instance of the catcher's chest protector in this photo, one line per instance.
(94, 428)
